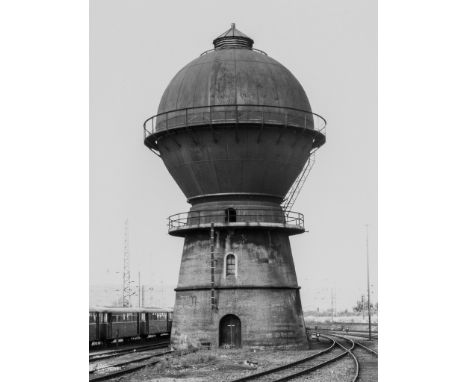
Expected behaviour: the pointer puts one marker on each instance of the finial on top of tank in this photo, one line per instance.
(233, 38)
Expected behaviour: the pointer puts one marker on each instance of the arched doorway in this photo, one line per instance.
(230, 331)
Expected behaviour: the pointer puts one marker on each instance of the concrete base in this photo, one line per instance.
(269, 318)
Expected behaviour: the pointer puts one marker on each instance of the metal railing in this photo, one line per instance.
(235, 216)
(233, 114)
(254, 49)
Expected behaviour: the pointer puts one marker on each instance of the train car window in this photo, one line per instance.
(92, 318)
(104, 318)
(143, 317)
(170, 316)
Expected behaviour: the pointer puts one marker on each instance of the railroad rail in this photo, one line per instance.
(119, 352)
(365, 360)
(352, 333)
(347, 337)
(301, 367)
(124, 367)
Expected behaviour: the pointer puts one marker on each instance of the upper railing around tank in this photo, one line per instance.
(254, 49)
(236, 217)
(234, 114)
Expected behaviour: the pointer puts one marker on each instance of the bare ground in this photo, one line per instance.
(221, 365)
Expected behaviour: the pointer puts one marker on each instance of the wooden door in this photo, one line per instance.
(230, 331)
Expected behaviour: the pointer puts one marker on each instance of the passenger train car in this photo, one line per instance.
(108, 324)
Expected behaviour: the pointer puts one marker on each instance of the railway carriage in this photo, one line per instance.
(108, 324)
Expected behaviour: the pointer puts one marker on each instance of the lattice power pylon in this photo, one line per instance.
(126, 288)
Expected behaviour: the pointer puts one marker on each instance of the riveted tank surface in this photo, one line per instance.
(234, 76)
(234, 120)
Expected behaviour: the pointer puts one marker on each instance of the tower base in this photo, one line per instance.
(245, 317)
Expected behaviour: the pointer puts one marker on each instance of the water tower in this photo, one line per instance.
(236, 131)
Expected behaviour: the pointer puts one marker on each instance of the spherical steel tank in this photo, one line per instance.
(234, 121)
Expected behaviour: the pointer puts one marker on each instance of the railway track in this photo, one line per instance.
(374, 335)
(354, 333)
(113, 370)
(118, 352)
(366, 361)
(302, 367)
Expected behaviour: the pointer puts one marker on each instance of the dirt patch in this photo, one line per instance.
(339, 371)
(219, 365)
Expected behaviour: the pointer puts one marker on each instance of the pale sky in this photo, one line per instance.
(137, 46)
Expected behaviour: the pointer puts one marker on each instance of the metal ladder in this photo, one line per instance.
(296, 188)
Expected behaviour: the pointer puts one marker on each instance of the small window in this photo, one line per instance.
(104, 318)
(230, 265)
(92, 318)
(143, 317)
(230, 215)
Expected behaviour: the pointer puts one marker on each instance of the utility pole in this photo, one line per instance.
(126, 289)
(139, 290)
(368, 284)
(362, 306)
(334, 301)
(332, 305)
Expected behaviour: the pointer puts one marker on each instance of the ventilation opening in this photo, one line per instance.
(230, 215)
